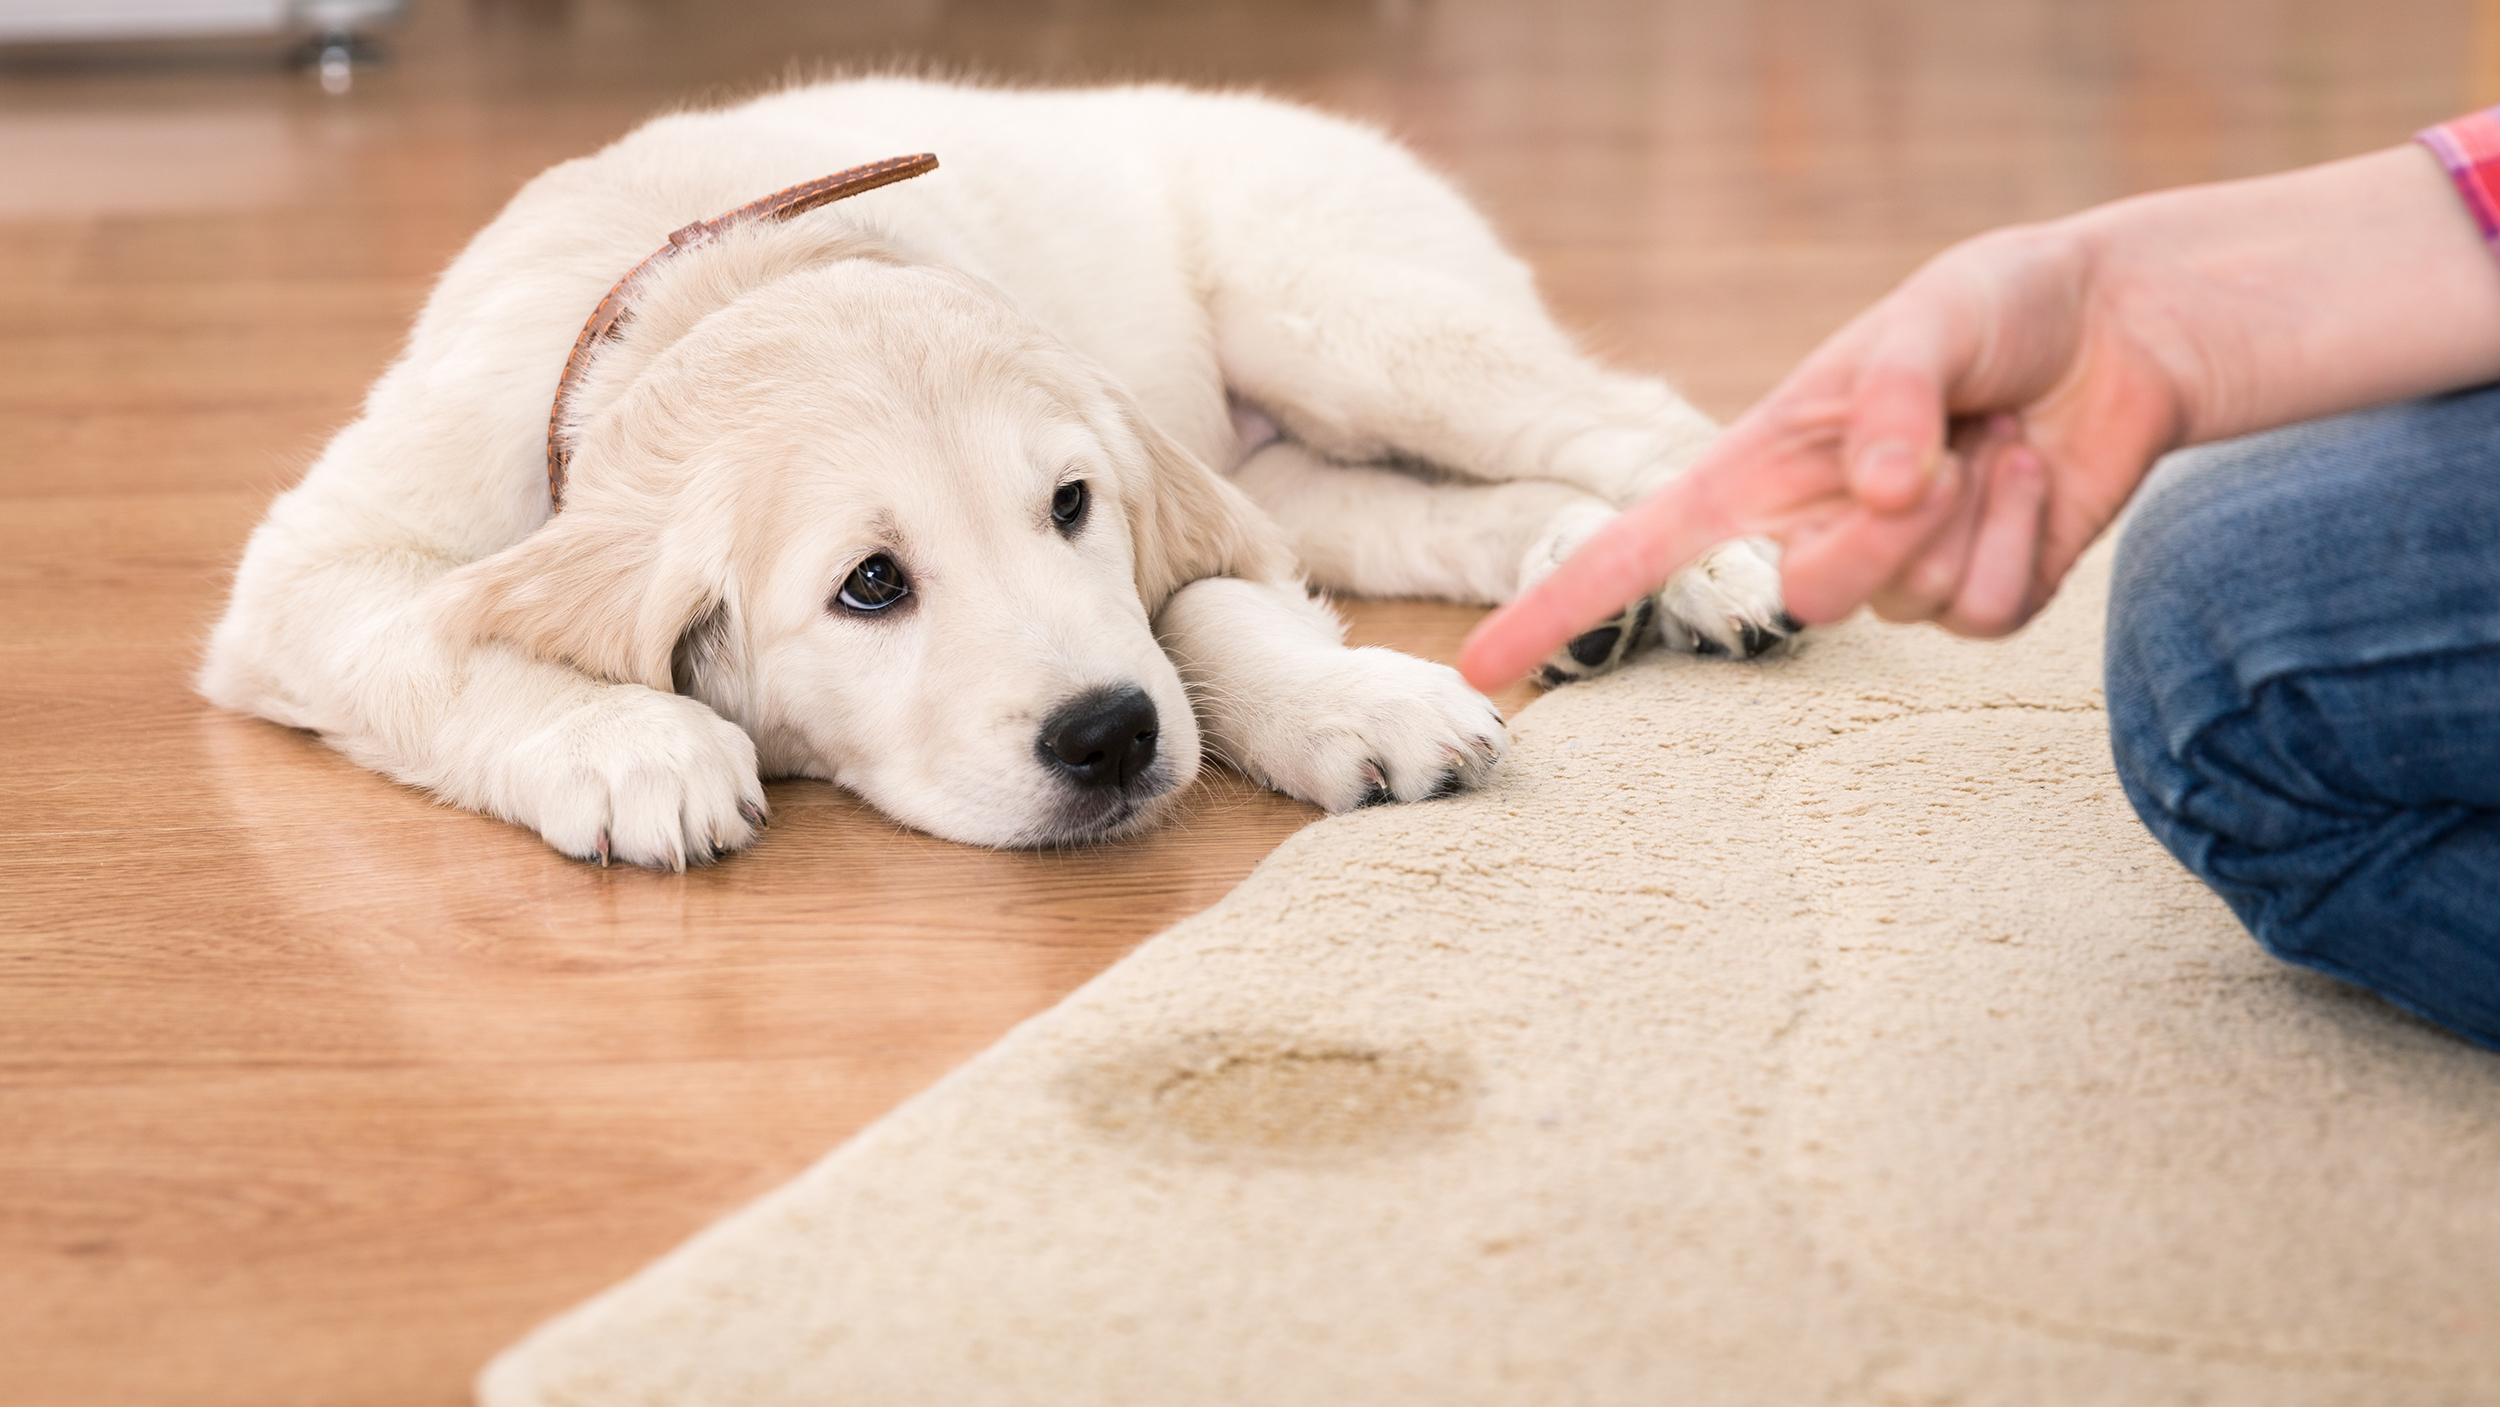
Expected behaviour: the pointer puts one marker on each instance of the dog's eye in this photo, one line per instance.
(1067, 507)
(873, 585)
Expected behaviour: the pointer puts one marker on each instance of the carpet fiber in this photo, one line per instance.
(1818, 1030)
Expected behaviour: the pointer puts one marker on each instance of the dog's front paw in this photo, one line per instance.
(1381, 726)
(639, 776)
(1726, 603)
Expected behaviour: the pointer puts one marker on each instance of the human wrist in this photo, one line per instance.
(2262, 302)
(2145, 278)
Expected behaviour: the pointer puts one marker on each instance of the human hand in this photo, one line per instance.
(1945, 457)
(1948, 455)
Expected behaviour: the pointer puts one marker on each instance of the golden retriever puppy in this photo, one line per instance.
(979, 495)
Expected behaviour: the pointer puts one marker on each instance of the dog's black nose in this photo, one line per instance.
(1103, 738)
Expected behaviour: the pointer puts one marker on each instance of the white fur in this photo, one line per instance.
(1122, 287)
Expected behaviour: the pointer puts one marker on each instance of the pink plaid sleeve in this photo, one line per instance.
(2469, 147)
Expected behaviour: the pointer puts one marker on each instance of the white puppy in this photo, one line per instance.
(913, 492)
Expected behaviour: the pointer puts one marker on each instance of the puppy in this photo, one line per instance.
(919, 492)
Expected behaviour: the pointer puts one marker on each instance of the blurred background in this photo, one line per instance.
(312, 1093)
(1706, 184)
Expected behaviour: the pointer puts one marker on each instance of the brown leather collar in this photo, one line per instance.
(612, 310)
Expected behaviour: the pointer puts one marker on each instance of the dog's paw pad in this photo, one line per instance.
(1595, 649)
(1598, 650)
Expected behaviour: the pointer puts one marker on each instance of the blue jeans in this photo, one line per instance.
(2304, 692)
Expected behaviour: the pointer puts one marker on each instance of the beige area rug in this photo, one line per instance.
(1821, 1030)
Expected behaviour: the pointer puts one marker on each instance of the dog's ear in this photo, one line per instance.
(617, 601)
(1186, 521)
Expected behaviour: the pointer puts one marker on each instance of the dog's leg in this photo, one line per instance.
(1398, 328)
(1280, 698)
(603, 771)
(1479, 391)
(1376, 531)
(1413, 338)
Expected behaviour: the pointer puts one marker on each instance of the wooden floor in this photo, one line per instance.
(314, 1093)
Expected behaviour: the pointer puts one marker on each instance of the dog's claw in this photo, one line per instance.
(601, 850)
(1376, 789)
(754, 814)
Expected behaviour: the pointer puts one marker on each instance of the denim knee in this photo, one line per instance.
(2303, 646)
(2187, 747)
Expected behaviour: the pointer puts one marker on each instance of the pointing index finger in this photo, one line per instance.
(1645, 545)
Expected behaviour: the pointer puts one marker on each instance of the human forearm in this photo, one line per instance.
(2289, 297)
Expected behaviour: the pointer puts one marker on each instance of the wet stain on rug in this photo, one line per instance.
(1295, 1099)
